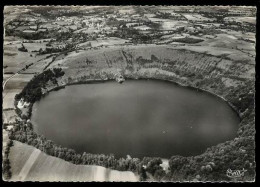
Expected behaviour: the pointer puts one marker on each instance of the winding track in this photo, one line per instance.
(5, 82)
(17, 73)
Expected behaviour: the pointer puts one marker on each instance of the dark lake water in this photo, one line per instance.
(138, 118)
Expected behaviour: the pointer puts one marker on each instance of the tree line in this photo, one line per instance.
(6, 172)
(33, 90)
(23, 131)
(209, 166)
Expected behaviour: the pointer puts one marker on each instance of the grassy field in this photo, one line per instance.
(104, 42)
(16, 60)
(13, 87)
(6, 76)
(9, 116)
(30, 164)
(8, 97)
(241, 19)
(190, 58)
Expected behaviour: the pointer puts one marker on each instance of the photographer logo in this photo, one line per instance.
(236, 173)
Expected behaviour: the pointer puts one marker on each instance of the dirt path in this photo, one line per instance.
(28, 164)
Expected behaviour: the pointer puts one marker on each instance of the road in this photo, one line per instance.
(5, 82)
(22, 69)
(19, 71)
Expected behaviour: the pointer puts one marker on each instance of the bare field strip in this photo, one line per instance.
(30, 164)
(18, 156)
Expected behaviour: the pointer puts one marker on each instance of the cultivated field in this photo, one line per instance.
(30, 164)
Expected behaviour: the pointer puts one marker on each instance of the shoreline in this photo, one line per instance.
(139, 76)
